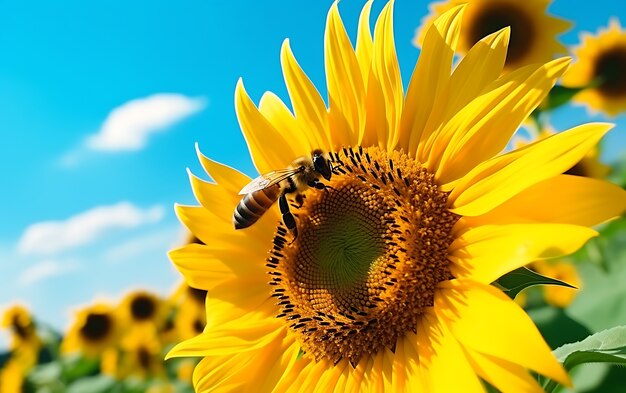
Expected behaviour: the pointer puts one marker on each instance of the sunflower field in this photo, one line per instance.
(403, 197)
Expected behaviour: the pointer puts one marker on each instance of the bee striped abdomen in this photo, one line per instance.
(253, 205)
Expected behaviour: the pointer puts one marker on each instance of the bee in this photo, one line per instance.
(261, 193)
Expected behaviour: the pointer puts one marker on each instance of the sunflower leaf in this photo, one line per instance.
(608, 346)
(515, 281)
(559, 95)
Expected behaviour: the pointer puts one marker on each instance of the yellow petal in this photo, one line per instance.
(497, 180)
(385, 94)
(482, 128)
(229, 179)
(482, 65)
(241, 335)
(441, 357)
(213, 230)
(487, 252)
(483, 318)
(206, 267)
(364, 45)
(430, 76)
(504, 375)
(306, 100)
(277, 113)
(268, 148)
(562, 199)
(346, 91)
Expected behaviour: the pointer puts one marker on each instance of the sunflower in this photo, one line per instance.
(141, 353)
(25, 342)
(95, 329)
(600, 64)
(190, 319)
(143, 307)
(533, 31)
(12, 377)
(387, 285)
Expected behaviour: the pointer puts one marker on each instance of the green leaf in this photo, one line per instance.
(558, 96)
(95, 384)
(76, 367)
(517, 280)
(608, 346)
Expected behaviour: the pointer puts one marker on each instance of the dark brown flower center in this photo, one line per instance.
(368, 256)
(142, 307)
(609, 72)
(22, 328)
(97, 326)
(495, 16)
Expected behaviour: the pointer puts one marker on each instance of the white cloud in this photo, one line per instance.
(46, 269)
(50, 237)
(142, 245)
(129, 126)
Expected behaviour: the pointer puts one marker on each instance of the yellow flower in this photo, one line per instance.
(142, 307)
(190, 319)
(533, 31)
(95, 329)
(140, 355)
(25, 342)
(600, 64)
(387, 285)
(555, 295)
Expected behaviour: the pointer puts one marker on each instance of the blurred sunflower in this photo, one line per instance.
(142, 307)
(190, 319)
(141, 354)
(533, 31)
(387, 285)
(600, 64)
(25, 342)
(95, 329)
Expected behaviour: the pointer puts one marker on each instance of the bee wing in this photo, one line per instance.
(268, 179)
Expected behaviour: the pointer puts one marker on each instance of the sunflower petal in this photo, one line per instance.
(440, 355)
(385, 94)
(277, 113)
(482, 128)
(306, 100)
(241, 335)
(229, 179)
(504, 375)
(430, 76)
(346, 91)
(484, 62)
(497, 180)
(268, 148)
(487, 252)
(511, 336)
(364, 45)
(589, 202)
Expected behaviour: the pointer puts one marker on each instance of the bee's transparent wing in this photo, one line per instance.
(268, 179)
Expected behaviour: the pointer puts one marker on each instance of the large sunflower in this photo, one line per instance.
(533, 31)
(600, 63)
(387, 285)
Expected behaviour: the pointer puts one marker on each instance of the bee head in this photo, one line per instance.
(321, 164)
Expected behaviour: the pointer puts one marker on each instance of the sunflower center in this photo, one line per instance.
(96, 327)
(609, 71)
(370, 251)
(142, 307)
(197, 294)
(494, 17)
(21, 329)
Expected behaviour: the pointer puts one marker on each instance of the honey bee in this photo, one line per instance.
(261, 193)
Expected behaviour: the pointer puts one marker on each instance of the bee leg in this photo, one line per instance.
(299, 199)
(288, 219)
(318, 185)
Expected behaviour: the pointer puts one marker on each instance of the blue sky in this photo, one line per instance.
(72, 70)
